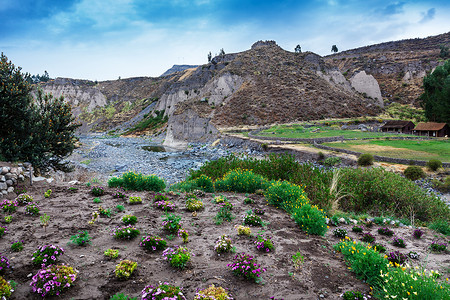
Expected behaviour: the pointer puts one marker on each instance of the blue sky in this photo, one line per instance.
(102, 40)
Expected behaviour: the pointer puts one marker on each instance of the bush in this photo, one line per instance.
(204, 183)
(385, 231)
(5, 288)
(368, 237)
(178, 257)
(241, 181)
(82, 238)
(251, 219)
(223, 244)
(47, 255)
(438, 246)
(311, 219)
(53, 280)
(285, 195)
(440, 226)
(129, 219)
(398, 242)
(212, 293)
(246, 266)
(4, 264)
(172, 223)
(397, 258)
(32, 209)
(194, 204)
(153, 243)
(97, 191)
(224, 213)
(135, 200)
(414, 173)
(264, 244)
(125, 269)
(161, 292)
(138, 182)
(357, 229)
(340, 233)
(165, 205)
(332, 161)
(417, 233)
(243, 230)
(434, 164)
(125, 232)
(24, 199)
(111, 253)
(365, 160)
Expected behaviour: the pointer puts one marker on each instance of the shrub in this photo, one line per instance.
(368, 237)
(161, 292)
(194, 204)
(172, 223)
(410, 283)
(105, 212)
(165, 205)
(414, 172)
(138, 182)
(248, 201)
(224, 213)
(6, 289)
(125, 269)
(32, 209)
(120, 208)
(4, 264)
(438, 246)
(153, 243)
(286, 195)
(223, 244)
(264, 244)
(385, 231)
(241, 181)
(259, 211)
(251, 219)
(440, 226)
(119, 194)
(397, 258)
(243, 230)
(357, 229)
(47, 255)
(2, 231)
(365, 160)
(379, 247)
(121, 296)
(129, 219)
(204, 183)
(125, 232)
(434, 164)
(97, 191)
(332, 161)
(53, 280)
(8, 206)
(398, 242)
(24, 199)
(111, 253)
(17, 246)
(82, 238)
(417, 233)
(178, 257)
(135, 200)
(246, 266)
(363, 260)
(220, 199)
(213, 293)
(311, 219)
(183, 234)
(354, 295)
(97, 200)
(340, 233)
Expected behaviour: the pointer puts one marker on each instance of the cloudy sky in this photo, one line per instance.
(102, 40)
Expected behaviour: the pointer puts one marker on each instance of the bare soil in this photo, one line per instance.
(323, 272)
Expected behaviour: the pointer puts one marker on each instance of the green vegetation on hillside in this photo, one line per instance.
(404, 112)
(150, 123)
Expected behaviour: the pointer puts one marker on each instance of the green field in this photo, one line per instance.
(298, 131)
(408, 149)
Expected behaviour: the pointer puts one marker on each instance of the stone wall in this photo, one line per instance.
(10, 176)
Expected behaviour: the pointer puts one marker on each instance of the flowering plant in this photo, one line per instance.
(193, 204)
(6, 288)
(53, 279)
(111, 253)
(24, 199)
(379, 247)
(178, 257)
(47, 255)
(340, 233)
(119, 194)
(259, 211)
(135, 200)
(413, 255)
(82, 238)
(264, 244)
(48, 193)
(2, 231)
(396, 257)
(129, 219)
(213, 293)
(357, 229)
(172, 223)
(160, 197)
(251, 219)
(125, 269)
(438, 246)
(17, 246)
(368, 237)
(105, 212)
(223, 244)
(161, 292)
(125, 232)
(165, 205)
(354, 295)
(246, 266)
(97, 191)
(398, 242)
(8, 205)
(153, 243)
(183, 233)
(32, 209)
(220, 199)
(4, 264)
(417, 233)
(243, 230)
(385, 231)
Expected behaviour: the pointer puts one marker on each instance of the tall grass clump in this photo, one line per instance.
(241, 181)
(203, 182)
(138, 182)
(286, 195)
(377, 191)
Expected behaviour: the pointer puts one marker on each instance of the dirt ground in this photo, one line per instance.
(323, 272)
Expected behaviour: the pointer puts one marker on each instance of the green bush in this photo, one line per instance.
(285, 195)
(311, 219)
(414, 173)
(204, 183)
(125, 269)
(365, 160)
(440, 226)
(434, 164)
(122, 296)
(241, 181)
(138, 182)
(332, 161)
(5, 288)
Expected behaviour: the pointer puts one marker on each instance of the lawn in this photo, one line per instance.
(408, 149)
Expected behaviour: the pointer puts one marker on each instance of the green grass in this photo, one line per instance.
(298, 131)
(407, 149)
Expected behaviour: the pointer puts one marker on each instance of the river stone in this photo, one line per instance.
(9, 182)
(10, 189)
(2, 178)
(3, 186)
(5, 170)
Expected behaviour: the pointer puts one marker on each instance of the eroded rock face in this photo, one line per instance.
(367, 84)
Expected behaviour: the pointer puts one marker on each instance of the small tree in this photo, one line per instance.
(298, 49)
(444, 51)
(209, 56)
(222, 52)
(334, 49)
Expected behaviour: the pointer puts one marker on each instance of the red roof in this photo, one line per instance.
(430, 126)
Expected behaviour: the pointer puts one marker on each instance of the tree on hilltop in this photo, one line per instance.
(334, 49)
(209, 57)
(222, 52)
(298, 49)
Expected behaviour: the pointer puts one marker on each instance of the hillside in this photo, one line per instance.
(398, 66)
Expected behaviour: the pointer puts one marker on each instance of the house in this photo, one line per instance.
(432, 129)
(398, 126)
